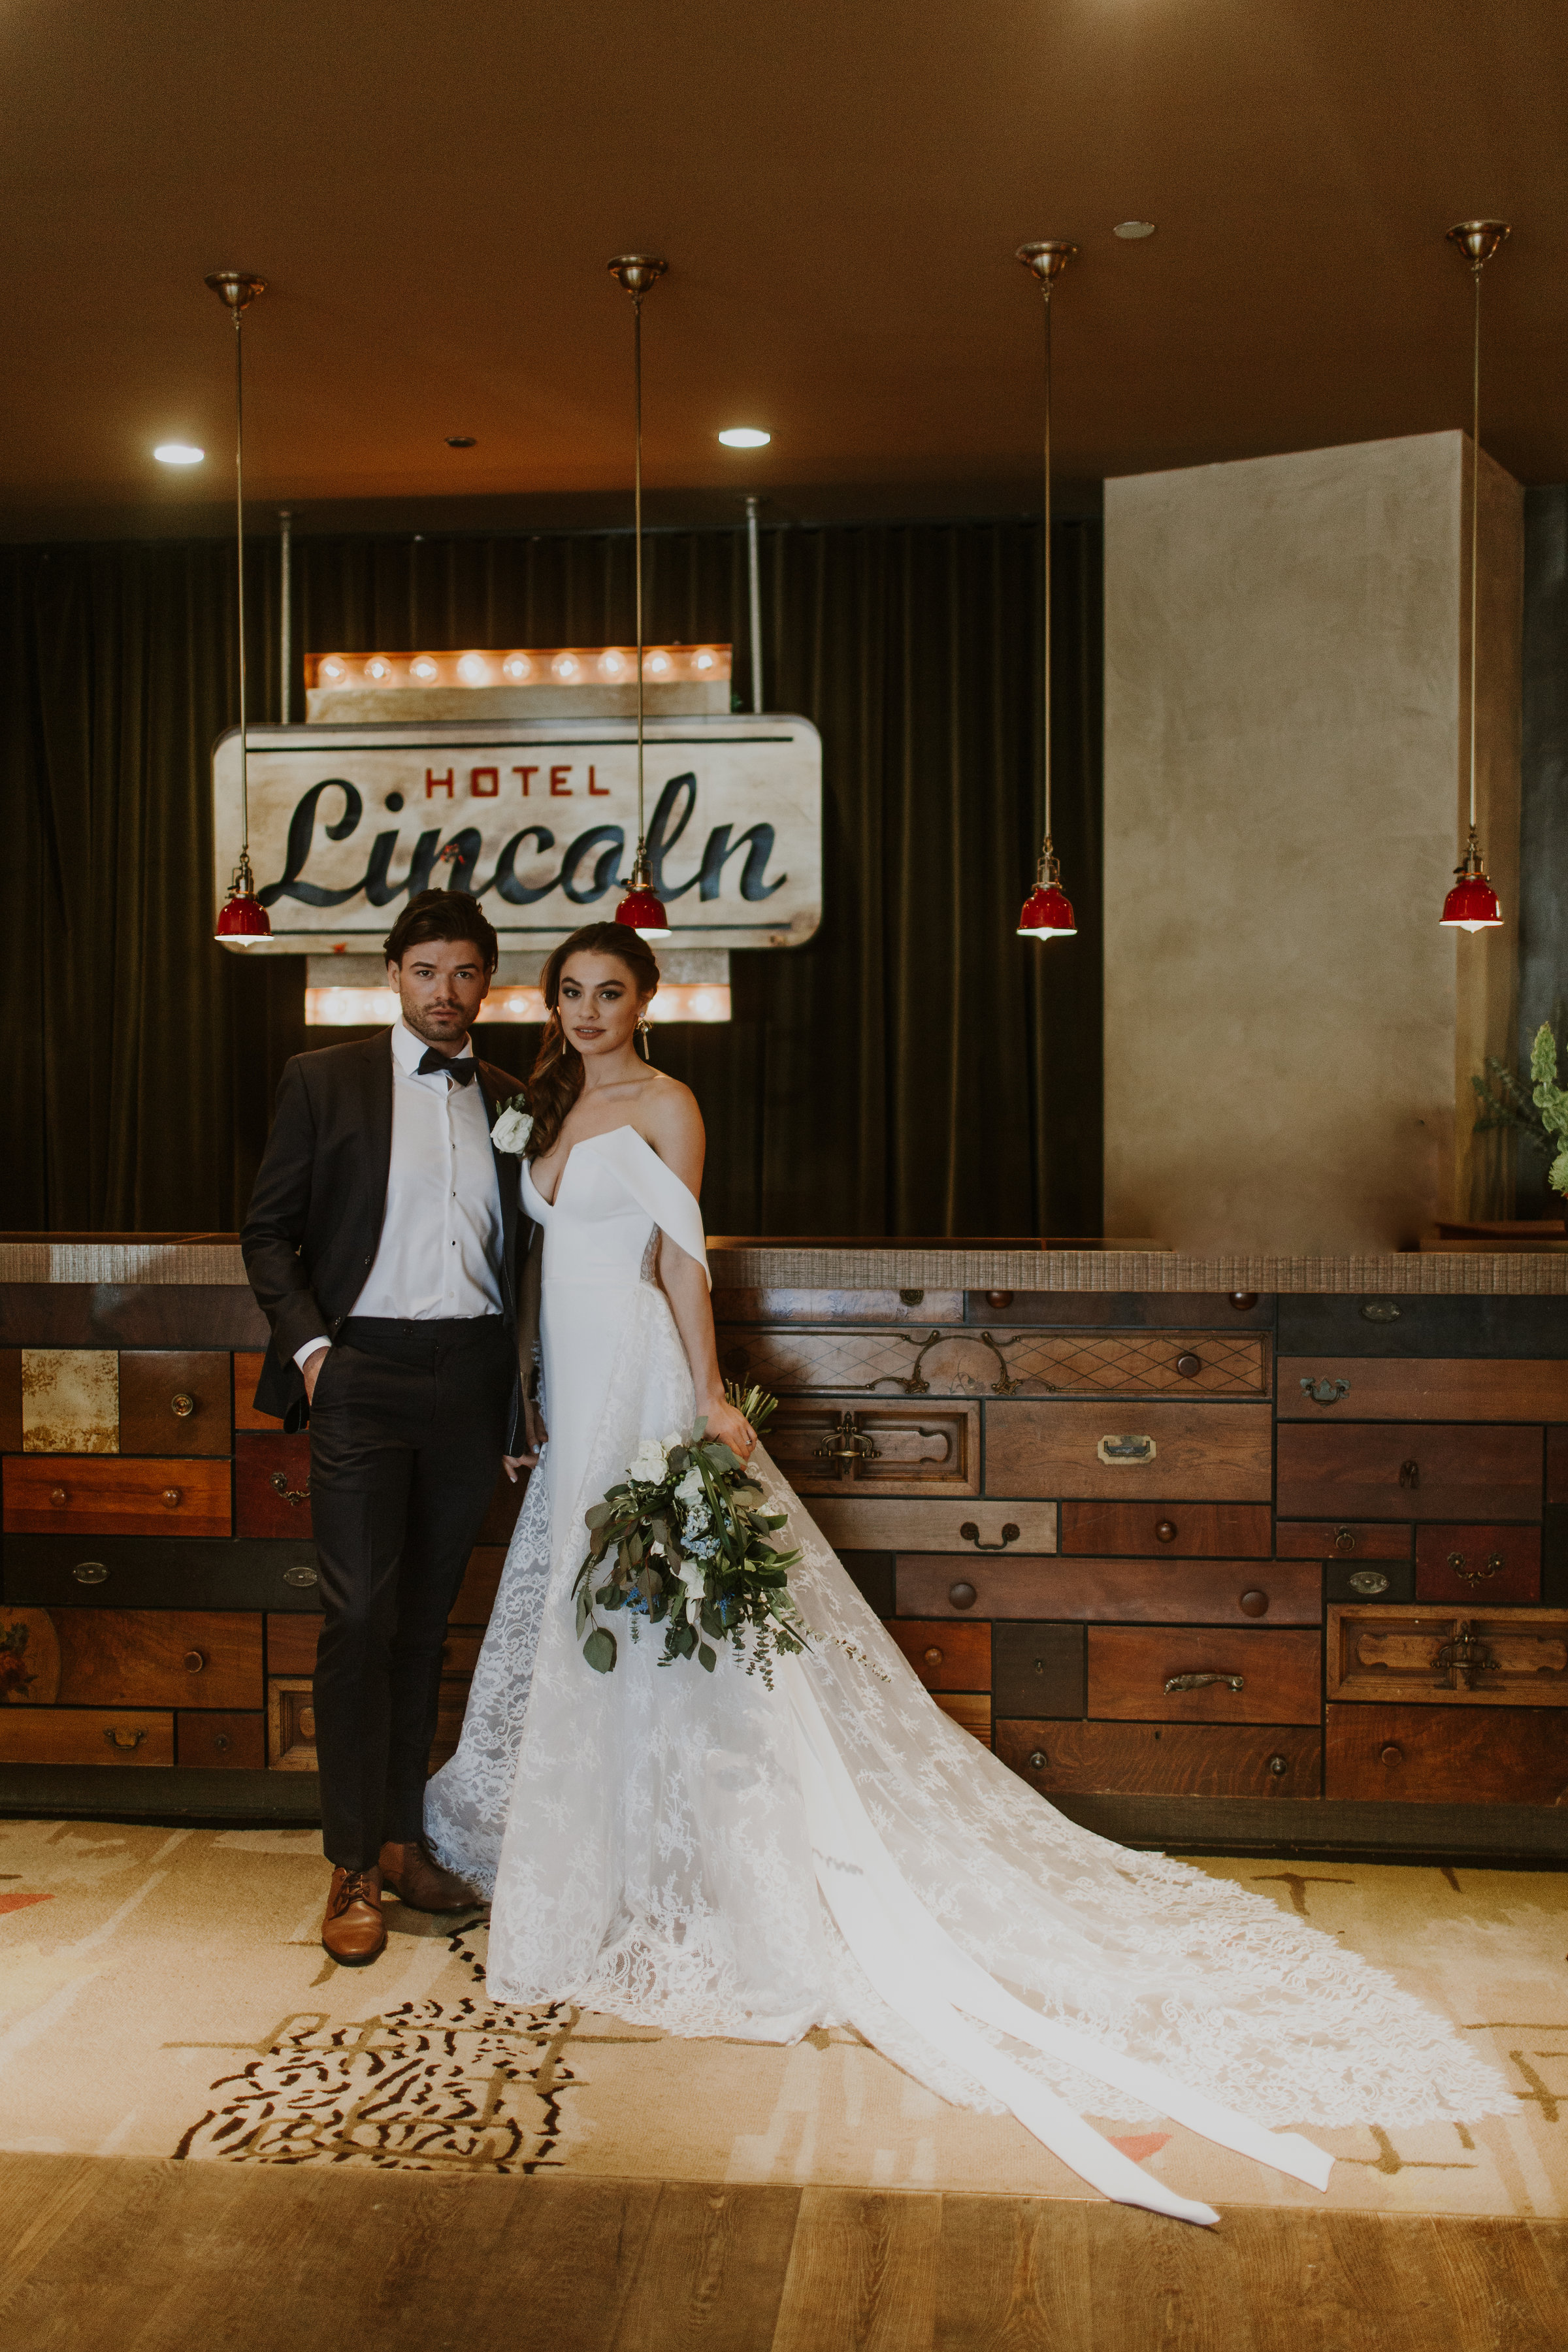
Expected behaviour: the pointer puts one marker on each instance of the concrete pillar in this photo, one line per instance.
(1289, 1035)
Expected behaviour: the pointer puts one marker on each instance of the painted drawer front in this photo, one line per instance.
(1174, 1759)
(86, 1735)
(115, 1498)
(921, 1361)
(1176, 1531)
(867, 1523)
(945, 1656)
(1037, 1669)
(916, 1307)
(1415, 1470)
(1445, 1658)
(1219, 1453)
(174, 1402)
(1186, 1675)
(70, 1401)
(1421, 1388)
(272, 1485)
(217, 1742)
(947, 1585)
(1433, 1755)
(159, 1657)
(1212, 1311)
(898, 1449)
(1470, 1567)
(1341, 1539)
(149, 1572)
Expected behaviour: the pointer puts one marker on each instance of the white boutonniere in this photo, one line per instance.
(514, 1125)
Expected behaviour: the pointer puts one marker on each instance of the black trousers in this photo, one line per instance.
(407, 1428)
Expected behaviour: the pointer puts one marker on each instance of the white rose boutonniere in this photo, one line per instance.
(513, 1125)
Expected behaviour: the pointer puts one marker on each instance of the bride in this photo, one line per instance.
(701, 1854)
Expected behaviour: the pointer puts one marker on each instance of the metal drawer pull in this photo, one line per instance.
(1128, 1453)
(1368, 1581)
(1278, 1764)
(118, 1736)
(1038, 1759)
(1410, 1475)
(290, 1494)
(195, 1661)
(59, 1497)
(962, 1595)
(1495, 1561)
(1165, 1530)
(853, 1445)
(1345, 1539)
(1325, 1392)
(1201, 1681)
(182, 1406)
(910, 1297)
(302, 1579)
(970, 1533)
(933, 1657)
(90, 1571)
(1461, 1657)
(220, 1740)
(1189, 1366)
(171, 1499)
(1381, 1310)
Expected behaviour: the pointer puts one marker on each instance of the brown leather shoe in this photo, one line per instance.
(416, 1878)
(353, 1931)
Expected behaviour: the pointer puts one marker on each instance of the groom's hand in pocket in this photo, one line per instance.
(533, 1428)
(311, 1370)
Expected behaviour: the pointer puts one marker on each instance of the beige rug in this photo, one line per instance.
(164, 1993)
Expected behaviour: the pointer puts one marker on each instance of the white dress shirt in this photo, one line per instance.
(440, 1250)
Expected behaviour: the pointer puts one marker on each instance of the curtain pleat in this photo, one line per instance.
(915, 1068)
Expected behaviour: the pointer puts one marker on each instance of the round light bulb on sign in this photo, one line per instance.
(178, 453)
(745, 436)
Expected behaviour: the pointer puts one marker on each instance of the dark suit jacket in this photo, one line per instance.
(320, 1196)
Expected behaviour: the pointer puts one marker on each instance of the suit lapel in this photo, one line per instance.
(494, 1087)
(374, 1123)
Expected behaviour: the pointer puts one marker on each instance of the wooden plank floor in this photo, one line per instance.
(122, 2254)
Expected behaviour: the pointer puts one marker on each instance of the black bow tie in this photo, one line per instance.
(462, 1074)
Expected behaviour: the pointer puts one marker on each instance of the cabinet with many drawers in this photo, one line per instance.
(1270, 1566)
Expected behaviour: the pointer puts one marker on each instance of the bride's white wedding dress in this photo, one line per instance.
(697, 1852)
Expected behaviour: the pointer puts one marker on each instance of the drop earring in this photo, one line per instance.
(645, 1031)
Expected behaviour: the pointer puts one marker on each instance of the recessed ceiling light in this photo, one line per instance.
(461, 441)
(745, 436)
(178, 453)
(1133, 228)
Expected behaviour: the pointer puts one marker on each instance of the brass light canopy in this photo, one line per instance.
(235, 288)
(242, 920)
(637, 273)
(642, 909)
(1472, 904)
(1047, 913)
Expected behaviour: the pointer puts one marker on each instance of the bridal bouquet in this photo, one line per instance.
(682, 1541)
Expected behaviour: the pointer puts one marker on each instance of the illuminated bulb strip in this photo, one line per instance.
(370, 1008)
(517, 665)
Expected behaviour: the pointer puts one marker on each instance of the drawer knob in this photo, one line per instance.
(195, 1661)
(1391, 1754)
(1476, 1575)
(280, 1486)
(970, 1533)
(120, 1736)
(933, 1657)
(1410, 1475)
(1178, 1683)
(59, 1497)
(90, 1571)
(1189, 1366)
(962, 1595)
(307, 1724)
(1325, 1392)
(1345, 1539)
(220, 1740)
(999, 1299)
(1038, 1759)
(1254, 1602)
(301, 1579)
(1278, 1765)
(912, 1298)
(171, 1499)
(1368, 1581)
(1243, 1299)
(1165, 1530)
(182, 1406)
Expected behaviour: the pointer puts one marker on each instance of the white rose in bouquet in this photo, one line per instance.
(648, 1463)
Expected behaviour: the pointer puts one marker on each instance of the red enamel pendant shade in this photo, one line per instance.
(642, 909)
(242, 919)
(1471, 905)
(1047, 914)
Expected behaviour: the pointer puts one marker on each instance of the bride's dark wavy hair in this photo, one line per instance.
(556, 1079)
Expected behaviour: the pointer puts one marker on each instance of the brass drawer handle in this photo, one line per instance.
(962, 1595)
(290, 1494)
(1165, 1530)
(1495, 1561)
(853, 1445)
(1189, 1366)
(90, 1571)
(59, 1497)
(1201, 1681)
(182, 1406)
(1325, 1392)
(302, 1579)
(1410, 1475)
(933, 1657)
(195, 1661)
(1278, 1765)
(1368, 1581)
(171, 1499)
(1345, 1539)
(1126, 1453)
(1461, 1657)
(1038, 1761)
(970, 1533)
(119, 1737)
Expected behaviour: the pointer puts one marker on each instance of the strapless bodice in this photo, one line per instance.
(611, 1194)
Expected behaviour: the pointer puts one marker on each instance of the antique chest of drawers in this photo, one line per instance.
(1279, 1566)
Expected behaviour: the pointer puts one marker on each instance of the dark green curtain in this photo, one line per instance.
(916, 1068)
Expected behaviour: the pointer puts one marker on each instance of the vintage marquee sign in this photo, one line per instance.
(536, 818)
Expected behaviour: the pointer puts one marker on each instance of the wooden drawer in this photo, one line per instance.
(949, 1585)
(1037, 1670)
(918, 1307)
(70, 1401)
(173, 1402)
(919, 1449)
(115, 1498)
(918, 1362)
(1410, 1470)
(1434, 1755)
(1222, 1452)
(970, 1710)
(1130, 1666)
(1557, 1465)
(215, 1742)
(290, 1724)
(1153, 1593)
(1421, 1388)
(146, 1572)
(158, 1657)
(1177, 1759)
(10, 1400)
(871, 1523)
(1187, 1531)
(1382, 1654)
(272, 1484)
(1369, 1580)
(291, 1644)
(1469, 1568)
(1341, 1539)
(85, 1736)
(247, 1372)
(946, 1656)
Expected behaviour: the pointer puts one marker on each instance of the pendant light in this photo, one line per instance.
(1047, 912)
(242, 920)
(642, 908)
(1471, 905)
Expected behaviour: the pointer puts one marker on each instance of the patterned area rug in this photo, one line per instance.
(164, 1993)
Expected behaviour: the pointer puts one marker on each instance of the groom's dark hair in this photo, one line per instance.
(442, 915)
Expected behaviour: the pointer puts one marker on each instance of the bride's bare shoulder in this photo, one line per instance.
(669, 1116)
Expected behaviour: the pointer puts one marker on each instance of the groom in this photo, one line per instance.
(383, 1243)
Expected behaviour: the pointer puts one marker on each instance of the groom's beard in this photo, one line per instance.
(440, 1026)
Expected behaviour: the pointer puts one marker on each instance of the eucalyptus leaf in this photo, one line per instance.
(599, 1649)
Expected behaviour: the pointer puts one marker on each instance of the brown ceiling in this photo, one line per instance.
(433, 194)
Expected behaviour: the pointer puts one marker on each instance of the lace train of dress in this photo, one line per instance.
(699, 1853)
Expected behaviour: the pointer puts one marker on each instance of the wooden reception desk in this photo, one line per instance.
(1245, 1550)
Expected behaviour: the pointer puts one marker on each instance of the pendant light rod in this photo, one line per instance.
(754, 599)
(1477, 241)
(1044, 261)
(286, 614)
(237, 290)
(637, 273)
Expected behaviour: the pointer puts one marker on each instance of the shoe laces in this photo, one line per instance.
(356, 1888)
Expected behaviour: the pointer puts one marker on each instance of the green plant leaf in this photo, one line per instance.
(706, 1657)
(599, 1649)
